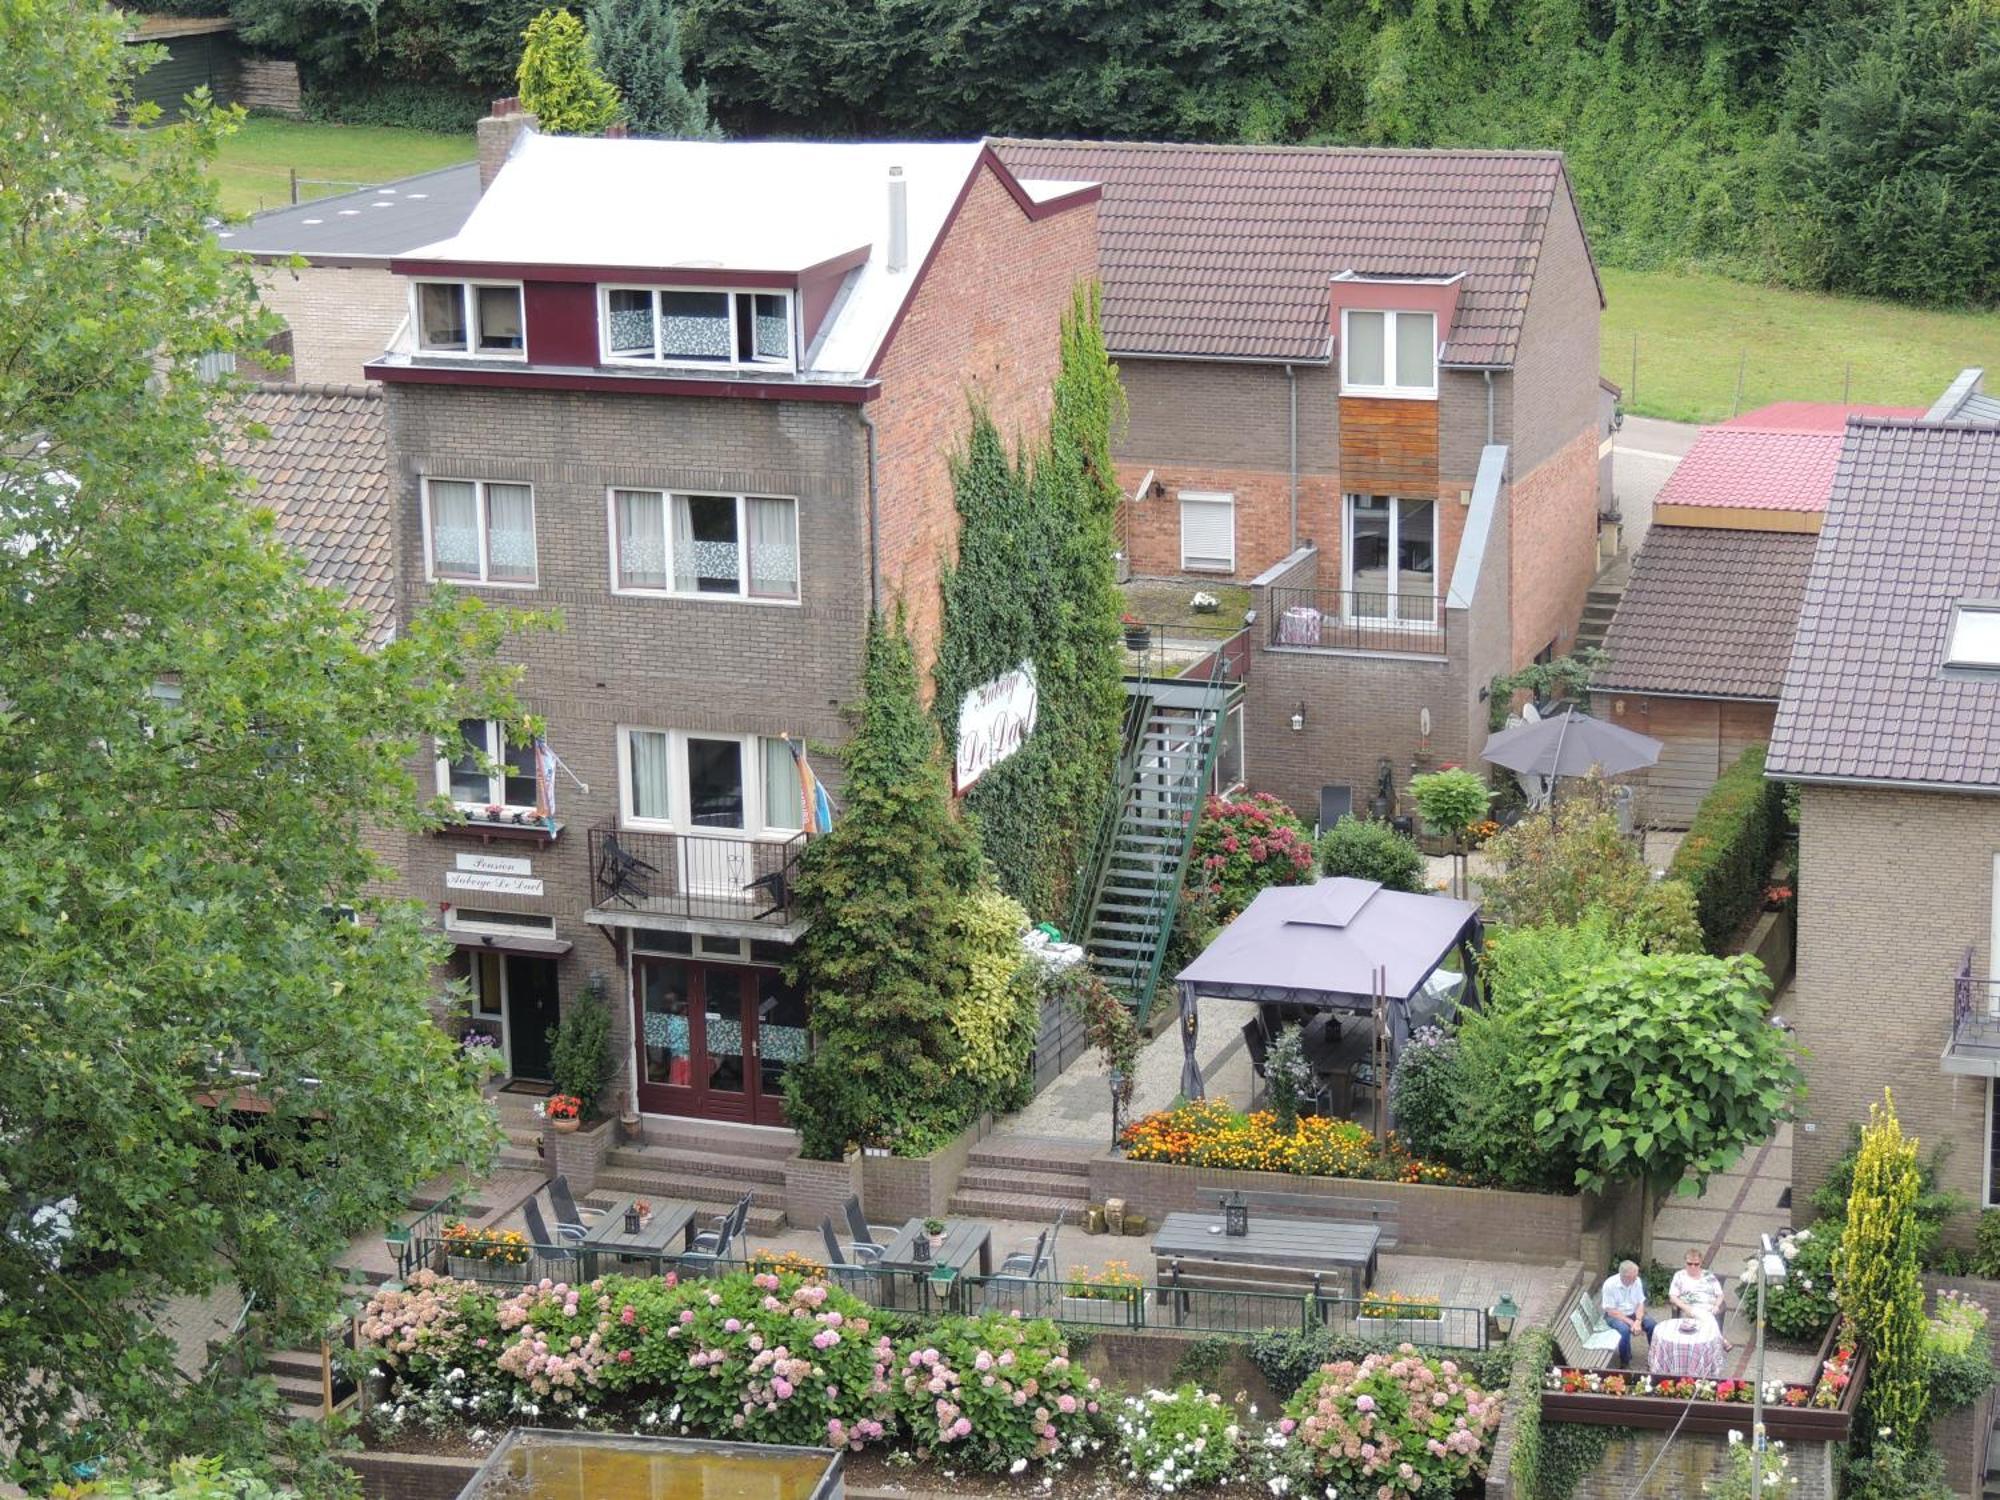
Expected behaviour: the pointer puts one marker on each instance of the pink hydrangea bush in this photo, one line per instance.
(555, 1341)
(429, 1325)
(1394, 1425)
(1243, 844)
(995, 1392)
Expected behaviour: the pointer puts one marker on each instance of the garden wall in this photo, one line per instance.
(1692, 1460)
(579, 1154)
(1960, 1436)
(411, 1476)
(1481, 1223)
(895, 1188)
(1772, 941)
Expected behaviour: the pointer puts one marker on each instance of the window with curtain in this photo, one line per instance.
(481, 532)
(454, 516)
(783, 803)
(465, 779)
(774, 548)
(707, 552)
(499, 318)
(647, 753)
(462, 317)
(640, 517)
(441, 316)
(510, 533)
(698, 327)
(1388, 353)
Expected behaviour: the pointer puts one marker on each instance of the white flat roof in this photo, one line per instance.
(779, 206)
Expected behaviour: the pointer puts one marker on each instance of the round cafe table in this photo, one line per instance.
(1678, 1351)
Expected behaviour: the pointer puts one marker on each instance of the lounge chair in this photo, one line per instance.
(862, 1244)
(549, 1252)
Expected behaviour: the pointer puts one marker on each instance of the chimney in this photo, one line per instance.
(899, 220)
(496, 135)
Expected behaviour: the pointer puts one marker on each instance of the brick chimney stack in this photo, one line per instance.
(496, 135)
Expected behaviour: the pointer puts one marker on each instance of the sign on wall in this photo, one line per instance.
(500, 885)
(495, 864)
(994, 721)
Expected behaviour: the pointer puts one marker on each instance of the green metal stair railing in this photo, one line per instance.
(1211, 713)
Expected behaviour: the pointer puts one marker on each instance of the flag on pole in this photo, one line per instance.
(816, 806)
(545, 783)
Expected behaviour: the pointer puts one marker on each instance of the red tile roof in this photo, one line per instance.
(1750, 468)
(1226, 252)
(1814, 416)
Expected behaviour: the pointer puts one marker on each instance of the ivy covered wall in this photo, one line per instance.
(1035, 581)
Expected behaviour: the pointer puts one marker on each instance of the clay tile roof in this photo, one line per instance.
(1814, 416)
(324, 470)
(1708, 613)
(1913, 527)
(1749, 468)
(1227, 251)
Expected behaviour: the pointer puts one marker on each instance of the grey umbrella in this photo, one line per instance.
(1570, 745)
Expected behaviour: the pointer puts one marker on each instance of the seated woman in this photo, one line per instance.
(1696, 1292)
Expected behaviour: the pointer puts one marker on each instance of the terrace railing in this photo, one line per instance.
(722, 876)
(1358, 620)
(1975, 1023)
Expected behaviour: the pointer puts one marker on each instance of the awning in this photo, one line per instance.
(510, 942)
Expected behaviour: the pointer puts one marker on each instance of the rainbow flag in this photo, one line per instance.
(816, 804)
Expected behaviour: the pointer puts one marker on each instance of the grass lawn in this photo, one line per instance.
(1167, 604)
(1695, 330)
(254, 165)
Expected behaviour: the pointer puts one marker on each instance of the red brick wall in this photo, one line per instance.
(984, 326)
(1554, 554)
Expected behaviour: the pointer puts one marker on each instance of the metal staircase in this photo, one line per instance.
(1130, 890)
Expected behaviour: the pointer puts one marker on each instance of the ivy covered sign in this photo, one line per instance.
(994, 720)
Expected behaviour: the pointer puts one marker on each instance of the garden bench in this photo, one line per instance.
(1193, 1291)
(1583, 1338)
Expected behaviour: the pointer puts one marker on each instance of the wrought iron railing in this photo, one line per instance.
(1975, 1007)
(1357, 620)
(726, 877)
(1186, 653)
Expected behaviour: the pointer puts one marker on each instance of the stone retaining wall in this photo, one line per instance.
(411, 1476)
(895, 1188)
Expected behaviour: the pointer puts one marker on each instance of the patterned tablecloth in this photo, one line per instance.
(1299, 626)
(1697, 1352)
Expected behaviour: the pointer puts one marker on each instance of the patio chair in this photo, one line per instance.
(837, 1264)
(1253, 1041)
(571, 1222)
(862, 1243)
(1033, 1257)
(549, 1252)
(727, 1227)
(622, 875)
(1335, 803)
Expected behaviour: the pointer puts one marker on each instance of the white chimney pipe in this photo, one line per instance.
(899, 220)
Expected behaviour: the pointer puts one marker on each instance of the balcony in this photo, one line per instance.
(697, 878)
(1974, 1047)
(1402, 624)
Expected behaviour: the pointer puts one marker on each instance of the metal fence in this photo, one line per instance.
(1358, 620)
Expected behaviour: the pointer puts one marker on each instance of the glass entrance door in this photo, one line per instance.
(715, 857)
(702, 1031)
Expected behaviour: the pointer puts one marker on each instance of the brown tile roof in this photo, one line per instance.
(324, 470)
(1227, 251)
(1912, 528)
(1708, 613)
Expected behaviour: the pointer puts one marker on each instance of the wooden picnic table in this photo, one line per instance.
(1274, 1240)
(666, 1233)
(965, 1241)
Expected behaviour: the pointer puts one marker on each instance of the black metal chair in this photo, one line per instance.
(861, 1238)
(1253, 1041)
(549, 1251)
(572, 1222)
(837, 1264)
(1335, 803)
(712, 1246)
(622, 875)
(1034, 1256)
(777, 889)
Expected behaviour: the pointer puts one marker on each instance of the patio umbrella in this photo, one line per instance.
(1570, 745)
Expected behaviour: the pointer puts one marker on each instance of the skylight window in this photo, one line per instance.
(1975, 636)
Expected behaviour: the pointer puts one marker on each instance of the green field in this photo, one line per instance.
(1695, 331)
(254, 165)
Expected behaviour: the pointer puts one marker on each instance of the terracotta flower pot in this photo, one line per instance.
(565, 1127)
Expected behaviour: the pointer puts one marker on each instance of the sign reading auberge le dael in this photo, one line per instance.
(994, 720)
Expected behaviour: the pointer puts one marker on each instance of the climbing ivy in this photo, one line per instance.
(1034, 581)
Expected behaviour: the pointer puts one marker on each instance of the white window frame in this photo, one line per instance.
(1987, 1198)
(1218, 498)
(496, 782)
(485, 580)
(659, 359)
(742, 594)
(469, 306)
(680, 819)
(1232, 714)
(1391, 385)
(1963, 630)
(1389, 621)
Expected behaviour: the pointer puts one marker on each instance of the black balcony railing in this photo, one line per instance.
(1186, 652)
(726, 877)
(1357, 620)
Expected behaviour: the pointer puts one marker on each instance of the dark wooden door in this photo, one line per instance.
(532, 1011)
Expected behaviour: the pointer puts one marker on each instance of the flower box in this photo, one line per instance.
(478, 1268)
(1418, 1331)
(1105, 1312)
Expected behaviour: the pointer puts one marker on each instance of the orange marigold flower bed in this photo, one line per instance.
(1206, 1133)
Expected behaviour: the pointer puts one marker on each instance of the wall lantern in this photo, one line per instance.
(1299, 717)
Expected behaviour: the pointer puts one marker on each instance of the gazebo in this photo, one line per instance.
(1341, 945)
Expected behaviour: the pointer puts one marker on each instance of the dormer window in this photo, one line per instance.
(470, 317)
(1975, 637)
(1386, 353)
(670, 326)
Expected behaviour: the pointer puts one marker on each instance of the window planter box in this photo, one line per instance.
(1104, 1312)
(1418, 1331)
(477, 1268)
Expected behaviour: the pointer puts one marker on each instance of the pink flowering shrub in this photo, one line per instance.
(429, 1326)
(763, 1358)
(1243, 844)
(995, 1390)
(555, 1339)
(1395, 1424)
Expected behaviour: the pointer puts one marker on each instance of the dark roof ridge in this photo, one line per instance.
(1922, 424)
(370, 389)
(1278, 148)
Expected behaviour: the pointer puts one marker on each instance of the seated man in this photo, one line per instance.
(1624, 1303)
(1695, 1292)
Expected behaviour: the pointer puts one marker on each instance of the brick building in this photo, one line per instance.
(699, 399)
(1698, 647)
(1364, 381)
(1890, 720)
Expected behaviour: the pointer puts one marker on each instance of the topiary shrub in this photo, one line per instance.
(1727, 853)
(580, 1048)
(1367, 850)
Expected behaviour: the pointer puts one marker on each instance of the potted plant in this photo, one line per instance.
(1205, 603)
(1138, 634)
(1108, 1297)
(486, 1254)
(934, 1231)
(565, 1113)
(1398, 1318)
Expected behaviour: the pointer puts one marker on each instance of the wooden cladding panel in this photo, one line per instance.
(1388, 446)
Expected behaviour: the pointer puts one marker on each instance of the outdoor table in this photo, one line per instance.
(1308, 1244)
(1697, 1353)
(965, 1241)
(664, 1234)
(1299, 626)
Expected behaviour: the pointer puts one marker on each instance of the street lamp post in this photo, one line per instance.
(1768, 1263)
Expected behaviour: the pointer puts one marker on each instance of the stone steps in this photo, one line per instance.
(1016, 1178)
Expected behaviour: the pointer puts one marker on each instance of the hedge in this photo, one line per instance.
(1726, 856)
